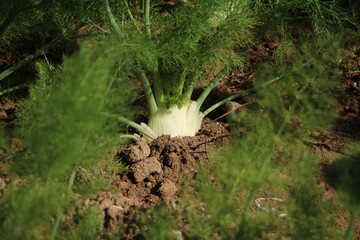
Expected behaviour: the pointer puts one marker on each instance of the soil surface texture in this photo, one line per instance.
(155, 172)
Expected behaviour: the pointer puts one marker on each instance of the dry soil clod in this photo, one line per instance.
(137, 152)
(145, 167)
(167, 189)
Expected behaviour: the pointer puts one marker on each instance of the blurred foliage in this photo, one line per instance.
(344, 175)
(67, 115)
(27, 210)
(36, 21)
(64, 127)
(89, 227)
(322, 16)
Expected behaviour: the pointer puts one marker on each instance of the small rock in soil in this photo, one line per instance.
(173, 161)
(106, 203)
(137, 152)
(146, 167)
(167, 189)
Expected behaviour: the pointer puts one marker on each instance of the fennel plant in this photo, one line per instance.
(174, 53)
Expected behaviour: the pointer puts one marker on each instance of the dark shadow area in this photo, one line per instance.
(348, 124)
(344, 176)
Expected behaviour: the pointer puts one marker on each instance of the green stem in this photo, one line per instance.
(349, 233)
(126, 121)
(211, 85)
(36, 54)
(180, 89)
(290, 112)
(264, 85)
(148, 91)
(191, 84)
(260, 175)
(158, 89)
(131, 16)
(112, 19)
(227, 68)
(130, 136)
(28, 59)
(147, 18)
(142, 129)
(13, 89)
(9, 18)
(256, 38)
(59, 216)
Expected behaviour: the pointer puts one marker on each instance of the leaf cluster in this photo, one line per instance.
(191, 40)
(323, 16)
(34, 22)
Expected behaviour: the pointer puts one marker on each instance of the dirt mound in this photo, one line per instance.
(155, 172)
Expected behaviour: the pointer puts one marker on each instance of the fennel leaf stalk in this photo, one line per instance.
(171, 58)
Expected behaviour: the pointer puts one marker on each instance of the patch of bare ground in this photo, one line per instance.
(237, 80)
(156, 170)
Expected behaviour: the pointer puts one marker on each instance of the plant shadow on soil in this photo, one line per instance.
(340, 170)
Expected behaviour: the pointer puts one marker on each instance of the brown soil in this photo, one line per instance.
(348, 125)
(155, 173)
(8, 110)
(237, 80)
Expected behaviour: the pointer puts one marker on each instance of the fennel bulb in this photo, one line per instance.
(176, 121)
